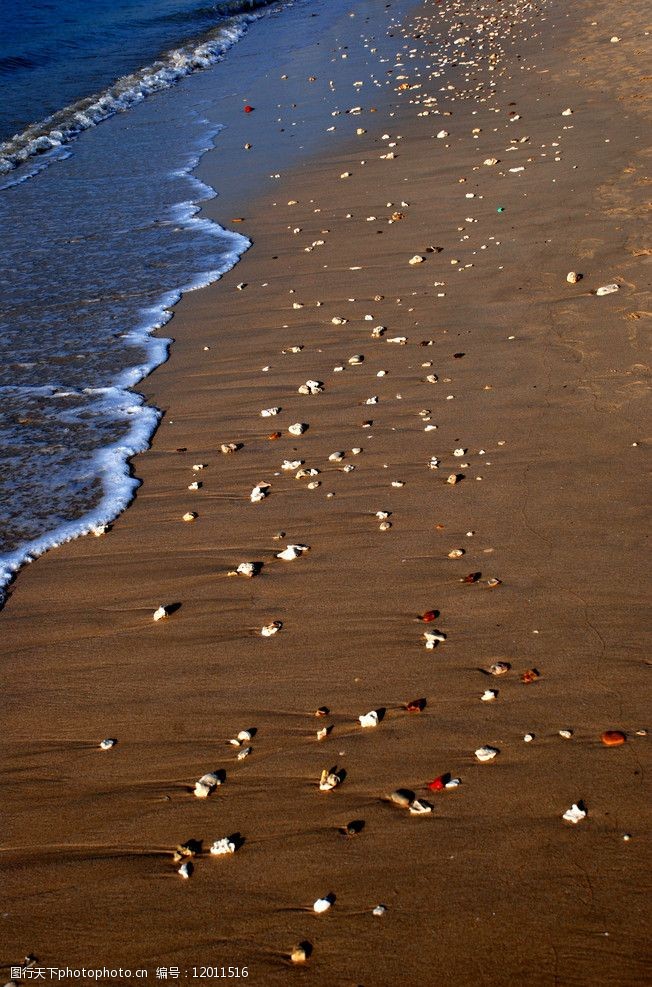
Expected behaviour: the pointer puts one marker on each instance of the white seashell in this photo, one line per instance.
(336, 457)
(270, 629)
(229, 447)
(566, 734)
(489, 695)
(100, 529)
(442, 134)
(314, 485)
(574, 814)
(356, 451)
(345, 174)
(486, 753)
(245, 752)
(247, 569)
(321, 905)
(311, 387)
(456, 553)
(433, 638)
(269, 412)
(299, 954)
(190, 516)
(308, 471)
(434, 463)
(195, 485)
(372, 400)
(432, 378)
(199, 466)
(369, 719)
(399, 340)
(378, 331)
(348, 469)
(337, 320)
(385, 525)
(323, 733)
(379, 910)
(207, 784)
(223, 846)
(453, 783)
(355, 360)
(607, 289)
(567, 112)
(383, 515)
(573, 277)
(329, 780)
(453, 479)
(292, 552)
(234, 742)
(528, 738)
(108, 743)
(420, 807)
(417, 259)
(297, 429)
(459, 452)
(245, 735)
(398, 483)
(259, 493)
(291, 464)
(186, 870)
(161, 613)
(490, 162)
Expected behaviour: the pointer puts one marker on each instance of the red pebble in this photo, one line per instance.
(437, 785)
(429, 616)
(248, 109)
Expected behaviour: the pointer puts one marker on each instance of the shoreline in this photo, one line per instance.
(547, 404)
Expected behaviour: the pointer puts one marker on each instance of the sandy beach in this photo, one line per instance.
(468, 500)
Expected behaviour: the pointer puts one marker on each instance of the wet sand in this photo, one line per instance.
(539, 385)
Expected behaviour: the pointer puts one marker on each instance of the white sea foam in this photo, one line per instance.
(66, 124)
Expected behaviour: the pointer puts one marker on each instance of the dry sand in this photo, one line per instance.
(547, 403)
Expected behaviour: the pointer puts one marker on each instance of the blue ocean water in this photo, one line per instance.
(100, 238)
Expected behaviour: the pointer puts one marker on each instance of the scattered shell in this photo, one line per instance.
(269, 412)
(336, 457)
(417, 259)
(291, 464)
(337, 320)
(566, 734)
(245, 752)
(486, 753)
(369, 719)
(575, 814)
(379, 910)
(186, 870)
(259, 493)
(612, 738)
(270, 629)
(322, 711)
(607, 289)
(292, 552)
(499, 668)
(433, 464)
(161, 613)
(330, 779)
(223, 846)
(419, 807)
(433, 638)
(456, 553)
(493, 582)
(402, 797)
(528, 738)
(311, 387)
(489, 695)
(442, 134)
(108, 743)
(207, 784)
(190, 516)
(567, 112)
(248, 569)
(297, 429)
(300, 953)
(573, 277)
(459, 452)
(490, 161)
(322, 905)
(324, 732)
(195, 485)
(356, 359)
